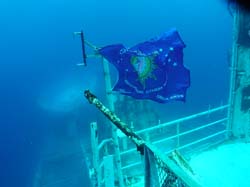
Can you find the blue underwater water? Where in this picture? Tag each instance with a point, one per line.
(41, 85)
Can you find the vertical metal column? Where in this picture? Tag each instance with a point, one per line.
(247, 130)
(178, 134)
(233, 68)
(94, 145)
(109, 175)
(110, 98)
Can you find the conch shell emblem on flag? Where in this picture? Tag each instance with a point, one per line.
(144, 67)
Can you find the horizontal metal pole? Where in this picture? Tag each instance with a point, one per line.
(181, 134)
(128, 151)
(94, 56)
(131, 165)
(203, 139)
(91, 45)
(181, 147)
(204, 126)
(167, 124)
(103, 143)
(207, 145)
(183, 119)
(190, 131)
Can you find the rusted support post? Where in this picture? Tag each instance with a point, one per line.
(110, 98)
(94, 145)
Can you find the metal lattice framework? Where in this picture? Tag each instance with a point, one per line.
(166, 177)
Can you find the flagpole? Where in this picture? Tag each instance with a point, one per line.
(110, 98)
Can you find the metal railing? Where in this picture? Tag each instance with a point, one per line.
(182, 134)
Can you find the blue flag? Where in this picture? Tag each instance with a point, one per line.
(152, 69)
